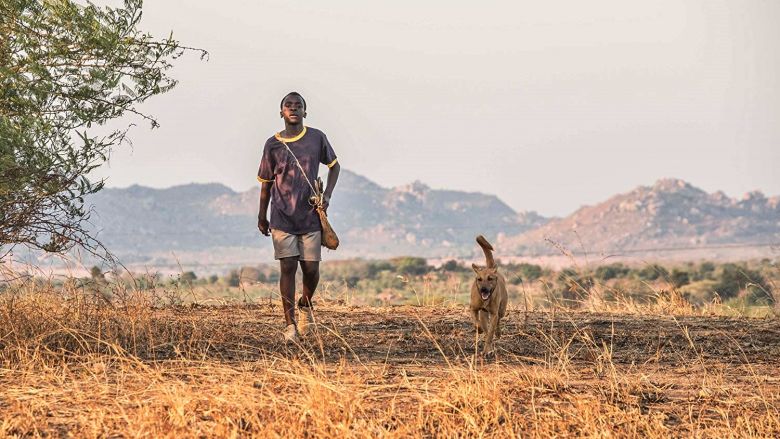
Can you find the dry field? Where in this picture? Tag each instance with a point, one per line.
(72, 365)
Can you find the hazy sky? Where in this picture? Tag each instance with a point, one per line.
(549, 105)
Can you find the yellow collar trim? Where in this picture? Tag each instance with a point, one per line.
(291, 139)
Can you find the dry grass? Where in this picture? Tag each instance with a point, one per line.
(73, 364)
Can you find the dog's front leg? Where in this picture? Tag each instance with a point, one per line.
(491, 332)
(475, 317)
(483, 320)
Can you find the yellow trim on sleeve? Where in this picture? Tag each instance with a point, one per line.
(262, 180)
(330, 165)
(290, 139)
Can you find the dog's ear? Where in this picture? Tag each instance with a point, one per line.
(475, 267)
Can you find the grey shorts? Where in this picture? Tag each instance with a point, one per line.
(306, 247)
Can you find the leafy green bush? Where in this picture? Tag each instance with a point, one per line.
(453, 266)
(233, 279)
(376, 267)
(574, 286)
(706, 271)
(734, 279)
(699, 292)
(410, 265)
(652, 272)
(530, 272)
(611, 271)
(679, 277)
(188, 277)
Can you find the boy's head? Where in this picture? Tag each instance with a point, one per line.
(293, 108)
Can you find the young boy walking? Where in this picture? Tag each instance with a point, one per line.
(288, 170)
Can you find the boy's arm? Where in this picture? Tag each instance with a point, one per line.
(262, 216)
(265, 175)
(333, 177)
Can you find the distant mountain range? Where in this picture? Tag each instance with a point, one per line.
(671, 214)
(210, 223)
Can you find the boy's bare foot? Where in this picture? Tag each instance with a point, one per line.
(305, 319)
(291, 334)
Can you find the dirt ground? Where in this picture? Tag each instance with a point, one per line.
(430, 335)
(409, 371)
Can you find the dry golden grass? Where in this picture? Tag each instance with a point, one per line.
(73, 364)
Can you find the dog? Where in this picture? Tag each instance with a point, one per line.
(488, 297)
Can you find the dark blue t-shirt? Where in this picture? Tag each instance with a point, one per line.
(290, 208)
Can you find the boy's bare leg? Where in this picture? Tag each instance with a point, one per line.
(311, 277)
(288, 268)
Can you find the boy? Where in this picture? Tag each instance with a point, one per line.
(295, 225)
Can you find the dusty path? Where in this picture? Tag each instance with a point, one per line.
(428, 334)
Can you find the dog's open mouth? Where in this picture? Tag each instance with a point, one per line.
(485, 294)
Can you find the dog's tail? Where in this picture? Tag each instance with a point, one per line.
(488, 250)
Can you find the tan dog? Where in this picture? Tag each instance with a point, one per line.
(488, 297)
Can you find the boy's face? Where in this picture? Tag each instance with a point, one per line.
(292, 110)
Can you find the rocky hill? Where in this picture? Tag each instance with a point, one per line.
(202, 220)
(669, 214)
(212, 223)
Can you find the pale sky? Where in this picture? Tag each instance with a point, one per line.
(549, 105)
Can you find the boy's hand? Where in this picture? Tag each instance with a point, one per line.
(325, 202)
(263, 225)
